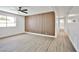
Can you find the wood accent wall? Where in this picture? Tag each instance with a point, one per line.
(41, 23)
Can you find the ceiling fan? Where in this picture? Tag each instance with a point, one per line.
(23, 10)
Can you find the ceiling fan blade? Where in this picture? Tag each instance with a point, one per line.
(24, 10)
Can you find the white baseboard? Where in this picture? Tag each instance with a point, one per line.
(28, 33)
(11, 35)
(41, 34)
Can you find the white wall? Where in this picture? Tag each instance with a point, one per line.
(12, 30)
(73, 31)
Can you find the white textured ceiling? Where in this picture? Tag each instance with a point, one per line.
(31, 9)
(60, 10)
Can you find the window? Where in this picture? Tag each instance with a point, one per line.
(61, 23)
(11, 22)
(2, 21)
(7, 21)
